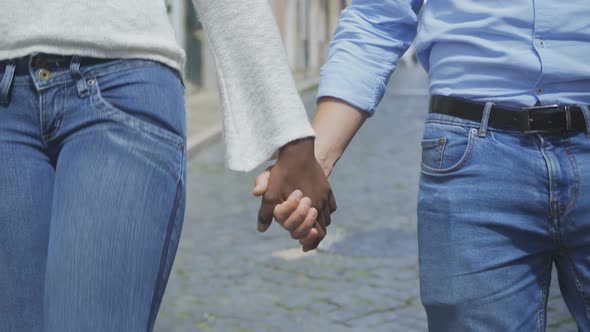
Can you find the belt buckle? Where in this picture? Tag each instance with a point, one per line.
(530, 123)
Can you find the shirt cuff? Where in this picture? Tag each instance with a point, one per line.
(360, 91)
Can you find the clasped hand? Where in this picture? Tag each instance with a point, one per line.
(296, 192)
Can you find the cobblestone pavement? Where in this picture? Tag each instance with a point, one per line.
(227, 277)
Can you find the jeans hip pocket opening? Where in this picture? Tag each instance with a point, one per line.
(447, 153)
(146, 127)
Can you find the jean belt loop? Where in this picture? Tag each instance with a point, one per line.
(78, 78)
(483, 128)
(586, 114)
(6, 84)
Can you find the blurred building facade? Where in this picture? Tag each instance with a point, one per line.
(306, 27)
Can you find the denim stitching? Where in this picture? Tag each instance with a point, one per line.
(435, 143)
(468, 123)
(119, 67)
(153, 307)
(485, 119)
(586, 113)
(470, 144)
(578, 285)
(78, 78)
(472, 124)
(6, 83)
(576, 185)
(441, 153)
(544, 297)
(181, 186)
(64, 77)
(430, 143)
(97, 100)
(49, 136)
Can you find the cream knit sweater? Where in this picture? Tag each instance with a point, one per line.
(261, 108)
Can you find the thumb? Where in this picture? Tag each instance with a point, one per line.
(261, 183)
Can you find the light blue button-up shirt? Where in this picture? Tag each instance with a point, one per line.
(512, 52)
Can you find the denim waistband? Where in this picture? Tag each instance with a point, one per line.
(446, 119)
(47, 70)
(6, 82)
(48, 61)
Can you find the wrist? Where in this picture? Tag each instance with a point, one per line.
(327, 161)
(298, 150)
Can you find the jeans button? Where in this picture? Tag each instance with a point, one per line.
(44, 74)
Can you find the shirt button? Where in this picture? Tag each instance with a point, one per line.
(539, 90)
(540, 43)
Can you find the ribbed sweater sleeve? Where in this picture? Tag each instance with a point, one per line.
(261, 108)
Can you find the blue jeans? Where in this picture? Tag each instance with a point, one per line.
(496, 210)
(92, 192)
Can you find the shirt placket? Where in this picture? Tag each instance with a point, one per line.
(541, 25)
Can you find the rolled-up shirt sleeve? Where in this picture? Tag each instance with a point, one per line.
(370, 37)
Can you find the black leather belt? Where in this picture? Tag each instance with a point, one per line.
(551, 118)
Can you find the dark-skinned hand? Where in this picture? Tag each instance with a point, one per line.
(296, 174)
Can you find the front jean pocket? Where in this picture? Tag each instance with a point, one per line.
(446, 148)
(148, 99)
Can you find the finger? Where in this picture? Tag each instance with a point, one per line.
(307, 225)
(309, 239)
(327, 216)
(298, 217)
(319, 238)
(321, 220)
(261, 183)
(321, 231)
(265, 215)
(282, 211)
(332, 202)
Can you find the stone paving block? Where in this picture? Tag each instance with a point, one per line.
(375, 319)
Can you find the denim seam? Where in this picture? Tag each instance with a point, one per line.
(576, 185)
(78, 78)
(453, 123)
(466, 155)
(442, 153)
(41, 127)
(430, 143)
(579, 288)
(141, 125)
(485, 119)
(586, 113)
(544, 297)
(58, 122)
(6, 83)
(435, 143)
(117, 68)
(64, 77)
(163, 257)
(473, 124)
(19, 83)
(554, 224)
